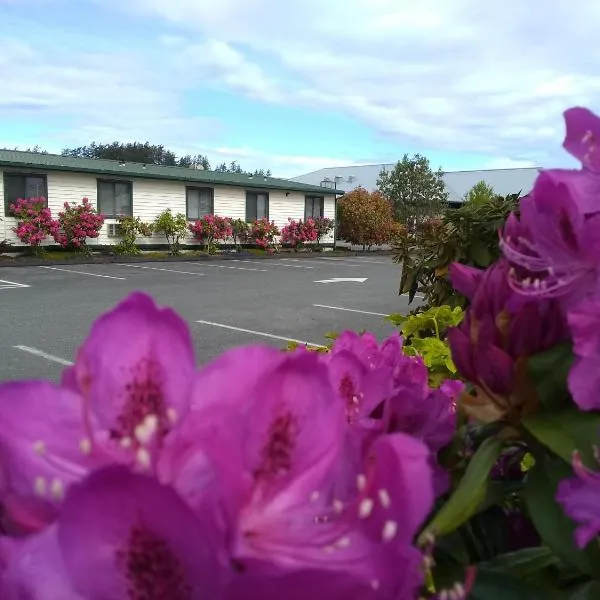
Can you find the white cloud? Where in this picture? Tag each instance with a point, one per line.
(463, 75)
(280, 164)
(101, 97)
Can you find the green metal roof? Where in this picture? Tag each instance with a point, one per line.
(114, 168)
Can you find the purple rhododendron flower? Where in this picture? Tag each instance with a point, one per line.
(554, 248)
(500, 330)
(119, 536)
(580, 498)
(130, 382)
(385, 392)
(285, 474)
(293, 498)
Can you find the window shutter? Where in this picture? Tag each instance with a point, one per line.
(321, 207)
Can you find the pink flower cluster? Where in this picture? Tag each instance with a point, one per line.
(263, 233)
(35, 221)
(77, 223)
(296, 233)
(263, 474)
(212, 228)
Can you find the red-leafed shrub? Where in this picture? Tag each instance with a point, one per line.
(297, 233)
(35, 222)
(366, 218)
(210, 229)
(263, 233)
(77, 222)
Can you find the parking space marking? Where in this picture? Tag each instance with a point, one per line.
(11, 285)
(42, 354)
(275, 262)
(228, 267)
(356, 310)
(260, 333)
(321, 262)
(161, 269)
(83, 273)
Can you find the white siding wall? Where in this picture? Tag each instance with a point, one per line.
(151, 197)
(62, 187)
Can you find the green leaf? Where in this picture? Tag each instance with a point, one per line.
(587, 591)
(522, 563)
(566, 431)
(549, 518)
(480, 253)
(470, 492)
(549, 371)
(491, 585)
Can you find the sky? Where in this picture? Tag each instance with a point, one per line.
(298, 85)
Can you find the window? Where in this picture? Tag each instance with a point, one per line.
(115, 198)
(199, 202)
(313, 207)
(257, 205)
(22, 185)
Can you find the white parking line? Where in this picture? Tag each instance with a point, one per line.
(320, 262)
(228, 267)
(274, 262)
(260, 333)
(42, 354)
(11, 285)
(161, 269)
(364, 312)
(83, 273)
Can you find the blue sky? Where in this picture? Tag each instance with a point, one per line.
(300, 85)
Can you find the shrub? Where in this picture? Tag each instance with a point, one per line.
(129, 229)
(173, 227)
(240, 232)
(210, 229)
(425, 335)
(297, 233)
(366, 218)
(77, 222)
(468, 234)
(323, 225)
(263, 233)
(35, 222)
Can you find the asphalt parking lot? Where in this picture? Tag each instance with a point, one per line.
(45, 312)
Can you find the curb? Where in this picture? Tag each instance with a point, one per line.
(102, 260)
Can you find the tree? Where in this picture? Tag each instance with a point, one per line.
(415, 191)
(194, 162)
(365, 218)
(135, 152)
(172, 227)
(480, 193)
(234, 167)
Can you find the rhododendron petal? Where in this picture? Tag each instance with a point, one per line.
(124, 535)
(36, 571)
(138, 361)
(40, 456)
(580, 498)
(583, 136)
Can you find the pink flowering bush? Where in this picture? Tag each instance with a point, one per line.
(210, 229)
(333, 475)
(263, 233)
(324, 226)
(298, 233)
(77, 222)
(35, 222)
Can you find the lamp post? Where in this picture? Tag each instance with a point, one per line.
(327, 183)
